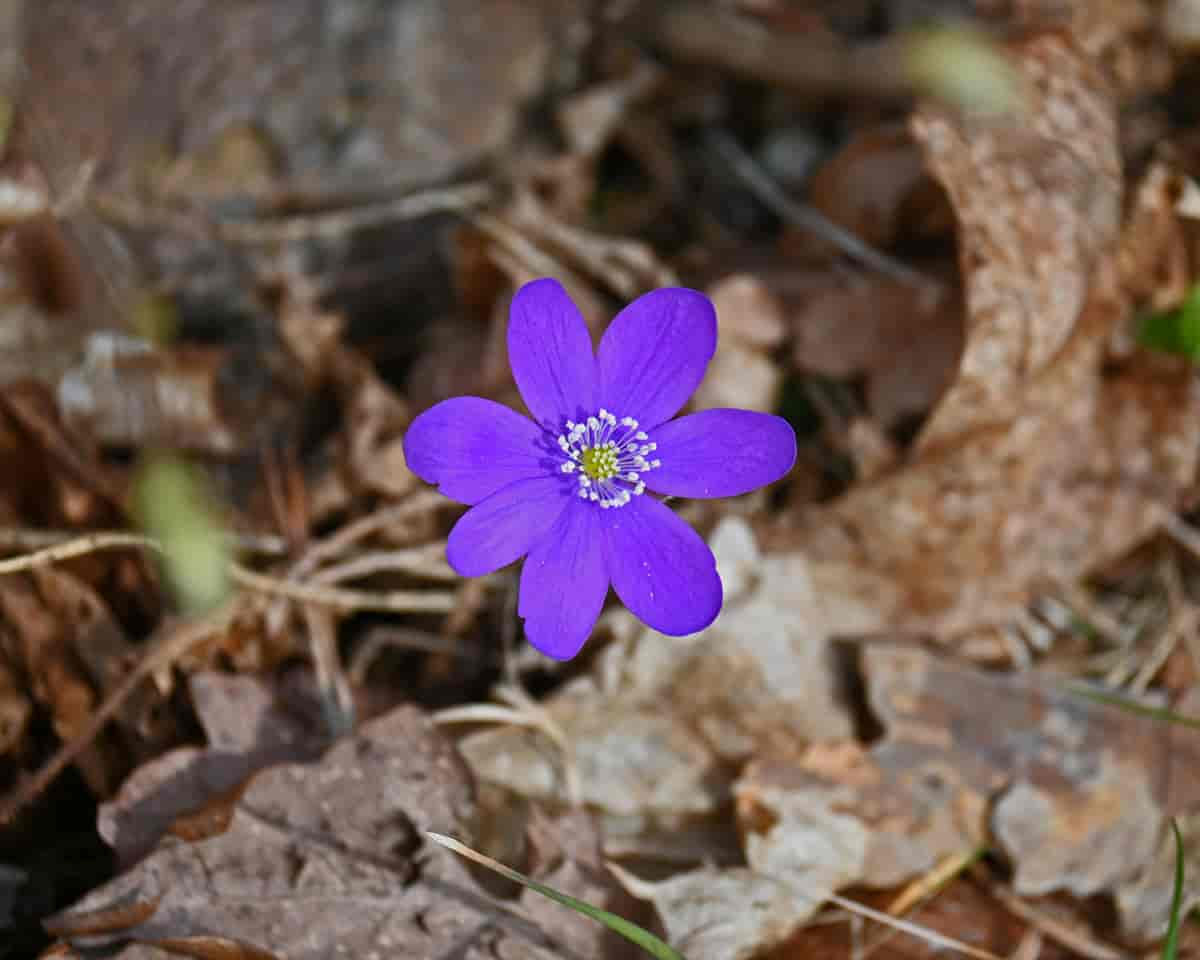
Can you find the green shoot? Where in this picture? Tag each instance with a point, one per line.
(630, 931)
(1171, 944)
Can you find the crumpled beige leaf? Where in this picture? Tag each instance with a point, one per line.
(731, 914)
(654, 732)
(1075, 792)
(654, 735)
(324, 860)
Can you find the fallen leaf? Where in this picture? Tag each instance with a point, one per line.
(249, 724)
(1037, 199)
(904, 341)
(724, 914)
(1040, 462)
(655, 732)
(866, 185)
(743, 373)
(326, 859)
(1075, 792)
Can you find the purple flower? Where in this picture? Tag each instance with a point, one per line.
(569, 489)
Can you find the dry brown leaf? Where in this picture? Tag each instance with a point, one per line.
(57, 679)
(249, 725)
(1121, 35)
(742, 373)
(1038, 200)
(655, 731)
(864, 187)
(15, 707)
(904, 340)
(328, 859)
(1040, 463)
(1075, 792)
(101, 645)
(375, 417)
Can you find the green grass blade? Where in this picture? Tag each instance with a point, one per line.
(1171, 944)
(1133, 706)
(630, 931)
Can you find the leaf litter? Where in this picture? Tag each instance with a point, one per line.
(891, 686)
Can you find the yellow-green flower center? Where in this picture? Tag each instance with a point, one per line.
(608, 454)
(600, 462)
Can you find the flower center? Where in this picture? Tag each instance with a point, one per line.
(609, 455)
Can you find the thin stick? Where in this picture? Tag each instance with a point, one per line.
(22, 538)
(89, 543)
(803, 217)
(337, 223)
(423, 561)
(912, 929)
(345, 537)
(346, 601)
(1061, 933)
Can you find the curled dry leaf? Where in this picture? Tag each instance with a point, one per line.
(325, 860)
(1037, 199)
(1039, 463)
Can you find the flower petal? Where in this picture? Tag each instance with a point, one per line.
(550, 352)
(654, 353)
(660, 567)
(506, 525)
(564, 583)
(721, 453)
(472, 447)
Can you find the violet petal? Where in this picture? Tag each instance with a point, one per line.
(654, 354)
(471, 447)
(550, 352)
(660, 568)
(564, 583)
(721, 453)
(506, 525)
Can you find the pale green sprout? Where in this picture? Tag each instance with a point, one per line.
(964, 68)
(173, 506)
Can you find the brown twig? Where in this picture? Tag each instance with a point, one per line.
(89, 543)
(346, 601)
(458, 199)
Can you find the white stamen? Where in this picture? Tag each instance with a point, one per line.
(607, 454)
